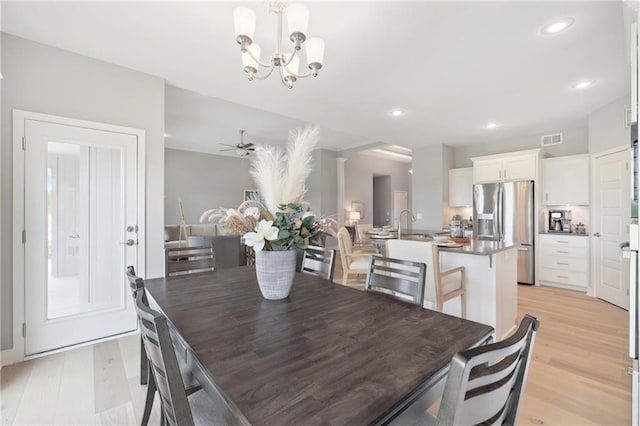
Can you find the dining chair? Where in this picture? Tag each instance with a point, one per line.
(485, 384)
(440, 286)
(353, 261)
(136, 285)
(362, 238)
(189, 259)
(178, 407)
(402, 279)
(319, 261)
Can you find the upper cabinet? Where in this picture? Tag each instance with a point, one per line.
(633, 62)
(461, 187)
(565, 180)
(506, 167)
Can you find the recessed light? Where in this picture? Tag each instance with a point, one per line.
(557, 26)
(397, 112)
(166, 135)
(492, 125)
(583, 84)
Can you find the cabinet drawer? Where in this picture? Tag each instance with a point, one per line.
(564, 251)
(573, 278)
(577, 264)
(548, 240)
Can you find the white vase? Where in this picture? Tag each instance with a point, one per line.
(275, 271)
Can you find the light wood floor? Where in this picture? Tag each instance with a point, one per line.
(577, 374)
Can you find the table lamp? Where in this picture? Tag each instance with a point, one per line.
(354, 217)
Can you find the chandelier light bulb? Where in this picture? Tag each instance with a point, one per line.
(244, 21)
(247, 60)
(298, 21)
(293, 68)
(315, 52)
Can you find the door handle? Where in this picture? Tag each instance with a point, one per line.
(129, 242)
(597, 234)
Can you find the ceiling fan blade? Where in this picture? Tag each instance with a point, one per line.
(228, 149)
(226, 144)
(248, 145)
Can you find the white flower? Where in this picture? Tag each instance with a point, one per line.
(264, 231)
(253, 212)
(307, 214)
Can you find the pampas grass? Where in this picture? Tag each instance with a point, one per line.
(280, 175)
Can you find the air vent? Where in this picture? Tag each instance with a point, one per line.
(554, 139)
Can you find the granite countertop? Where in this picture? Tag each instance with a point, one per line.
(475, 247)
(480, 247)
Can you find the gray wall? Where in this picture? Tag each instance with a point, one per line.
(358, 181)
(323, 182)
(575, 141)
(606, 126)
(430, 184)
(203, 182)
(206, 181)
(52, 81)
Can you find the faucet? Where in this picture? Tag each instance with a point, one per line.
(400, 221)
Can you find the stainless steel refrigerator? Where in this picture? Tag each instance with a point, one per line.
(505, 212)
(633, 247)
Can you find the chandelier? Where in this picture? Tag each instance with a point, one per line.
(244, 20)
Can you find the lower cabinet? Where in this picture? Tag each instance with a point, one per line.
(564, 261)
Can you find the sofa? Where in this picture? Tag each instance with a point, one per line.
(172, 233)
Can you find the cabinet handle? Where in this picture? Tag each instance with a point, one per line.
(562, 276)
(500, 173)
(563, 252)
(562, 263)
(505, 174)
(563, 242)
(546, 196)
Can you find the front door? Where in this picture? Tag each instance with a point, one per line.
(611, 206)
(80, 234)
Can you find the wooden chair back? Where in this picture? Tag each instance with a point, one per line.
(163, 363)
(187, 260)
(485, 384)
(427, 253)
(361, 233)
(319, 261)
(402, 277)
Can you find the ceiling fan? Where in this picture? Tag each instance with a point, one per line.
(242, 149)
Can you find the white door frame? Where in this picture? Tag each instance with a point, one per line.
(17, 353)
(591, 291)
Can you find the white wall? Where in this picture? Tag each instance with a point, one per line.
(322, 183)
(358, 181)
(52, 81)
(575, 141)
(606, 126)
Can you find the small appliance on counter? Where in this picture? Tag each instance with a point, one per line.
(560, 221)
(580, 229)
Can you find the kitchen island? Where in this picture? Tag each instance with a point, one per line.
(491, 272)
(491, 275)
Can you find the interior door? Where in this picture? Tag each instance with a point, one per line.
(611, 206)
(81, 232)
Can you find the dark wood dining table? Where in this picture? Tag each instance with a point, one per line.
(328, 354)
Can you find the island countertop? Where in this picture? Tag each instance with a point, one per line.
(480, 247)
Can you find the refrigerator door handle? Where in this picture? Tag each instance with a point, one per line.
(500, 225)
(633, 305)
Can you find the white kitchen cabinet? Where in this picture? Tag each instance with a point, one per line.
(631, 113)
(506, 167)
(565, 180)
(564, 261)
(461, 187)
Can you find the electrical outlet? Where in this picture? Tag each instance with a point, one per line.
(418, 216)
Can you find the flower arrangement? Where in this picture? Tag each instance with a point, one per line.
(282, 221)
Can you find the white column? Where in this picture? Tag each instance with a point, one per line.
(340, 209)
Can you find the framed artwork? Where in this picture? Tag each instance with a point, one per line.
(251, 194)
(357, 206)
